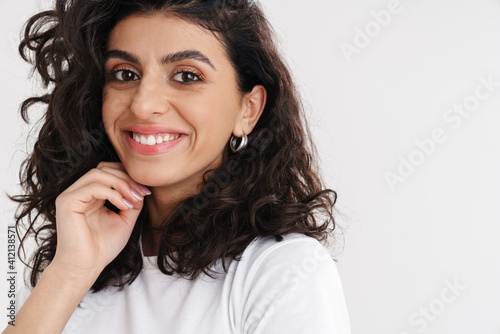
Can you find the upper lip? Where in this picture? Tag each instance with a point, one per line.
(151, 129)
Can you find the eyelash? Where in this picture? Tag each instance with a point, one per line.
(198, 76)
(113, 74)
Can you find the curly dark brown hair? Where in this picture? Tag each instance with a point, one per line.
(271, 188)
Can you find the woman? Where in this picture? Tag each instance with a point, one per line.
(172, 177)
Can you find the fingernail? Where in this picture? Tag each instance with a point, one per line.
(136, 194)
(130, 205)
(144, 190)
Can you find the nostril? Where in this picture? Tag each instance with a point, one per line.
(145, 108)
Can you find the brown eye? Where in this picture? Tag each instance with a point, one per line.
(125, 75)
(186, 77)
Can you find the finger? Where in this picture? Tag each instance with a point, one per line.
(110, 180)
(118, 165)
(131, 215)
(124, 175)
(83, 198)
(84, 179)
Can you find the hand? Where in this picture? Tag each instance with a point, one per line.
(89, 235)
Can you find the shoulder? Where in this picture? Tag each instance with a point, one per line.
(294, 250)
(292, 244)
(293, 281)
(297, 258)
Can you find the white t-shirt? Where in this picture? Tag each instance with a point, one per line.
(285, 287)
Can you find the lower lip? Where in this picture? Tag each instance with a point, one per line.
(152, 149)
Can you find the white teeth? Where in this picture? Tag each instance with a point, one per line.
(170, 137)
(151, 140)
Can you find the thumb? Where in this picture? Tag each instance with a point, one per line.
(130, 216)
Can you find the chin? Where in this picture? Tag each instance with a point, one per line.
(150, 179)
(147, 175)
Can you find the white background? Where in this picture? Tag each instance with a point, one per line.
(403, 245)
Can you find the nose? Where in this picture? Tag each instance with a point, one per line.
(150, 99)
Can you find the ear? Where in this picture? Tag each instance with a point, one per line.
(253, 104)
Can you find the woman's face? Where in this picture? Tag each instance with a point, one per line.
(170, 101)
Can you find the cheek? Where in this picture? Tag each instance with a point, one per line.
(113, 107)
(107, 119)
(214, 123)
(215, 113)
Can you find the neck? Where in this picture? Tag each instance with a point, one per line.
(160, 204)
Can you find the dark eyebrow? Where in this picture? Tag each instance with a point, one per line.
(124, 55)
(173, 57)
(187, 54)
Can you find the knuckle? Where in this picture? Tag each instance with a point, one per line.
(59, 199)
(102, 164)
(94, 172)
(108, 164)
(124, 184)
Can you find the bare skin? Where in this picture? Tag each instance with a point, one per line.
(207, 111)
(89, 237)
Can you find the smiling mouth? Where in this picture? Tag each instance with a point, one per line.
(151, 140)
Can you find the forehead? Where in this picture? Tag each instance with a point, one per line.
(160, 33)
